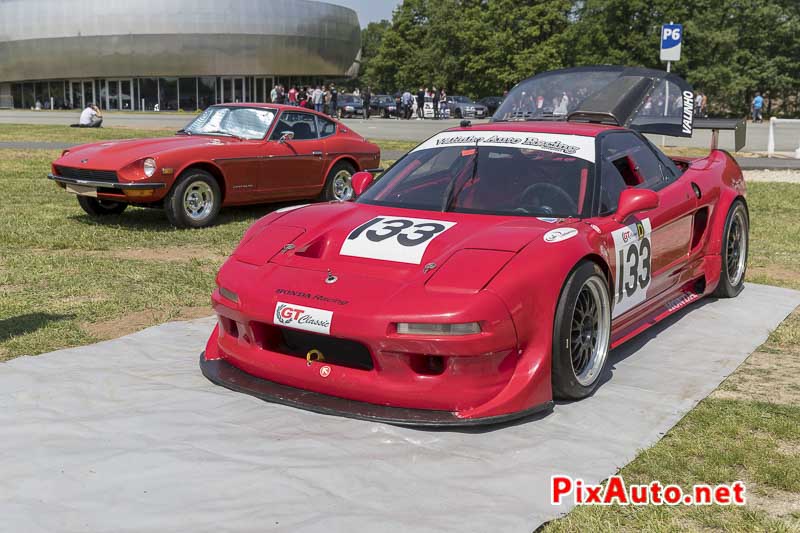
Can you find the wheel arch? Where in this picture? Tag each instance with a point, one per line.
(206, 166)
(344, 158)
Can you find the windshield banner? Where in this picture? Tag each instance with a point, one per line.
(578, 146)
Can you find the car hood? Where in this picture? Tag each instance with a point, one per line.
(112, 155)
(322, 240)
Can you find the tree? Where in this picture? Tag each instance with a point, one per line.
(731, 48)
(371, 38)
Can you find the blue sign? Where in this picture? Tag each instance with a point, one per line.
(671, 38)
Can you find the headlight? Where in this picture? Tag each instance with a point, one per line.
(348, 108)
(391, 108)
(149, 167)
(411, 328)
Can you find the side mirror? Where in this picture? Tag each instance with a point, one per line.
(634, 201)
(286, 136)
(361, 182)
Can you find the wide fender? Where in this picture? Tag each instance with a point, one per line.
(732, 186)
(530, 286)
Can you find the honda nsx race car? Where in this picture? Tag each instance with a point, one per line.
(492, 268)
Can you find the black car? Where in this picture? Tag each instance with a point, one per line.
(383, 105)
(349, 105)
(491, 102)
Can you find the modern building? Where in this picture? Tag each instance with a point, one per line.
(168, 54)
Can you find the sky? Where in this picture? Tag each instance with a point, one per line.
(369, 10)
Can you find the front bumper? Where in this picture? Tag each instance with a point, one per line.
(222, 373)
(106, 184)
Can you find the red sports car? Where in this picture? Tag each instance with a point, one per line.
(490, 270)
(231, 154)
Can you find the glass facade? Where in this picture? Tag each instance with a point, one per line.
(168, 94)
(151, 94)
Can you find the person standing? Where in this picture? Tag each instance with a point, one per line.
(273, 94)
(421, 103)
(318, 99)
(293, 96)
(366, 97)
(443, 104)
(407, 99)
(334, 100)
(435, 104)
(398, 106)
(757, 106)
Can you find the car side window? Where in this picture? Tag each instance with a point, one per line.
(635, 161)
(302, 125)
(326, 127)
(611, 186)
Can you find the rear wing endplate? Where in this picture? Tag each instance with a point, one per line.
(738, 125)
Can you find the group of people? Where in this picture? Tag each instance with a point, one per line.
(322, 98)
(409, 105)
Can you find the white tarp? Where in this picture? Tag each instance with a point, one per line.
(127, 435)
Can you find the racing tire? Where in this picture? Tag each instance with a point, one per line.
(100, 208)
(194, 200)
(581, 333)
(339, 183)
(734, 248)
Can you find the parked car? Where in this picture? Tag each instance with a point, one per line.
(464, 107)
(491, 270)
(349, 105)
(491, 103)
(231, 154)
(383, 105)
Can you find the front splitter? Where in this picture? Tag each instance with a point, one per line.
(223, 373)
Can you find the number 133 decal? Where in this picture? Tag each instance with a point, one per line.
(634, 271)
(394, 238)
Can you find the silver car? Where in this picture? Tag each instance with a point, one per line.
(464, 107)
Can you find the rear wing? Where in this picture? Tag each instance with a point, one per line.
(642, 99)
(738, 125)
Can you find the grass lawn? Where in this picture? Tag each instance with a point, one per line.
(65, 134)
(67, 280)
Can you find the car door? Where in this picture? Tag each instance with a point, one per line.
(294, 167)
(650, 249)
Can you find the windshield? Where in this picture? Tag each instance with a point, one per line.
(350, 99)
(242, 122)
(491, 172)
(552, 94)
(385, 100)
(462, 100)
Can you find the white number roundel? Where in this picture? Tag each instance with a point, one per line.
(391, 238)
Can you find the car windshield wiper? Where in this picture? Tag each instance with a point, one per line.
(450, 195)
(183, 131)
(218, 132)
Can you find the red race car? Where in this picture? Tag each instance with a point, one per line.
(492, 268)
(231, 154)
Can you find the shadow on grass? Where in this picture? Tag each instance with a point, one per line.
(28, 323)
(153, 219)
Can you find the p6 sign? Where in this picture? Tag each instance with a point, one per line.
(671, 38)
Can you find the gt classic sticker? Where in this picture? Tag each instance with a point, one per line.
(303, 317)
(390, 238)
(634, 272)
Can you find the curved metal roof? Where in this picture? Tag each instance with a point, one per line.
(56, 39)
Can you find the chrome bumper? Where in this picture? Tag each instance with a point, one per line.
(106, 184)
